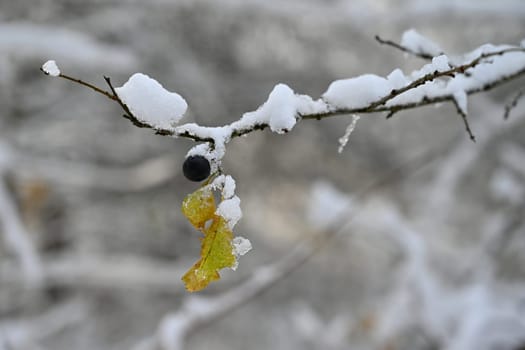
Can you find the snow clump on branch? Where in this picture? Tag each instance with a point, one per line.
(51, 68)
(419, 44)
(150, 103)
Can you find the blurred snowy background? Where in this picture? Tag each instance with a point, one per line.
(434, 258)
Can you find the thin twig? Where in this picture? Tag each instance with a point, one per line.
(404, 49)
(88, 85)
(512, 104)
(464, 117)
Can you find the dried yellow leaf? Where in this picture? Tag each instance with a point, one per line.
(216, 254)
(199, 207)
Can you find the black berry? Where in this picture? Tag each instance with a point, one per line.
(196, 168)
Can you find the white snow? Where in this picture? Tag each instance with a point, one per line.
(279, 112)
(241, 246)
(220, 135)
(202, 149)
(417, 43)
(357, 92)
(226, 183)
(51, 68)
(150, 103)
(230, 210)
(441, 63)
(326, 205)
(349, 129)
(306, 105)
(397, 79)
(228, 190)
(280, 109)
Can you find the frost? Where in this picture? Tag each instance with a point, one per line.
(51, 68)
(228, 190)
(226, 183)
(150, 103)
(220, 136)
(241, 246)
(417, 43)
(326, 205)
(344, 139)
(230, 210)
(357, 92)
(441, 63)
(460, 99)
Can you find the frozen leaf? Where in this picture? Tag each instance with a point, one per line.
(199, 207)
(216, 254)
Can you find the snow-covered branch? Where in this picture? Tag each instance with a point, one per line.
(147, 104)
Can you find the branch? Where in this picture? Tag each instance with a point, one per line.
(320, 109)
(512, 104)
(424, 56)
(83, 83)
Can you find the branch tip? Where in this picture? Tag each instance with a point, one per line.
(512, 104)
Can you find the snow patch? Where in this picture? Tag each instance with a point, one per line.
(228, 190)
(357, 92)
(150, 103)
(226, 183)
(280, 109)
(51, 68)
(419, 44)
(441, 63)
(241, 246)
(230, 210)
(397, 79)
